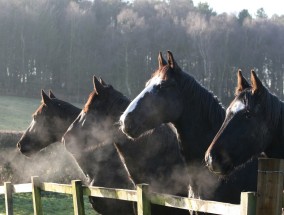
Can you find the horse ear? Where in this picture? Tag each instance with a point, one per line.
(171, 61)
(51, 95)
(161, 60)
(255, 82)
(98, 87)
(102, 81)
(242, 83)
(45, 99)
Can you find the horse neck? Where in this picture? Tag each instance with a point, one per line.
(200, 120)
(155, 158)
(119, 168)
(102, 170)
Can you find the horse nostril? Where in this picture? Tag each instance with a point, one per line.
(63, 141)
(19, 145)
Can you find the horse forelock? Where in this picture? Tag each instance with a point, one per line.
(162, 73)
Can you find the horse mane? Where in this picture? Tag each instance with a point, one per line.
(210, 107)
(39, 110)
(89, 101)
(273, 107)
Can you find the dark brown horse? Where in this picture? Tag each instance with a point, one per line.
(153, 158)
(172, 95)
(50, 122)
(253, 124)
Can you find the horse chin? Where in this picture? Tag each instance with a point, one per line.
(28, 154)
(134, 132)
(224, 170)
(131, 134)
(30, 151)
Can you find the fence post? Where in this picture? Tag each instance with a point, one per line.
(143, 202)
(8, 198)
(78, 200)
(36, 196)
(270, 186)
(248, 203)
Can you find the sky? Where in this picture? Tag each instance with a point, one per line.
(270, 7)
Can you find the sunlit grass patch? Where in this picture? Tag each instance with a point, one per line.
(53, 204)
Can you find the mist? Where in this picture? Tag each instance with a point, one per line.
(52, 164)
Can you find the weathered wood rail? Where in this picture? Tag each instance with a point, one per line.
(267, 200)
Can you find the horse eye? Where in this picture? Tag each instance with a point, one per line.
(166, 84)
(162, 84)
(247, 115)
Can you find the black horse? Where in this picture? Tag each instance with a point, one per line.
(50, 122)
(253, 124)
(172, 95)
(153, 158)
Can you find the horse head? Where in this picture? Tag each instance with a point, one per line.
(95, 124)
(49, 123)
(247, 129)
(159, 102)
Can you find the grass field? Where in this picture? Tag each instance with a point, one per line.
(53, 204)
(15, 112)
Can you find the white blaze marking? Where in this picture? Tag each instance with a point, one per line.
(82, 118)
(31, 128)
(236, 107)
(153, 82)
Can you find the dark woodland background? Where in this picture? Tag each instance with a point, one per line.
(60, 45)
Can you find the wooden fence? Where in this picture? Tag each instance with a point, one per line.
(267, 200)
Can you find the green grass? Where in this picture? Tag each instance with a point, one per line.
(16, 112)
(53, 204)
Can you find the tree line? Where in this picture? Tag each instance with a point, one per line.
(60, 45)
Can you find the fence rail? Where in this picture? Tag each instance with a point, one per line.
(121, 194)
(250, 204)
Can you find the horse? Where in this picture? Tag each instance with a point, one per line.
(50, 121)
(253, 124)
(153, 158)
(173, 96)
